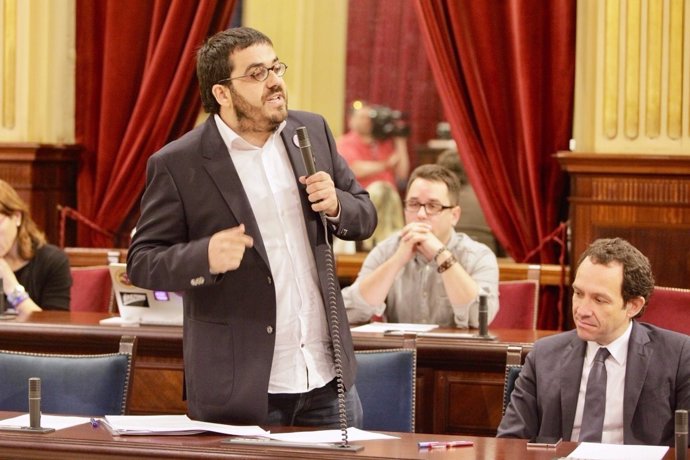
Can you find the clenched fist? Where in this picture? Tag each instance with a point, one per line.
(226, 249)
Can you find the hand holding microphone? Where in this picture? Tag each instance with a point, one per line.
(320, 186)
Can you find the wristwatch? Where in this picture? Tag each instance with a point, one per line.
(17, 296)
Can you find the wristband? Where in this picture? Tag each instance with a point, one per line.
(17, 296)
(446, 264)
(439, 252)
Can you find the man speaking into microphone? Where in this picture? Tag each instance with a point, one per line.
(230, 217)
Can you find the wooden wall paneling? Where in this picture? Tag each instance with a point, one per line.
(44, 176)
(642, 198)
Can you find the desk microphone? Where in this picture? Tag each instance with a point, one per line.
(34, 412)
(483, 316)
(681, 434)
(34, 402)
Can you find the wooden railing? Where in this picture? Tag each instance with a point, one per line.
(348, 265)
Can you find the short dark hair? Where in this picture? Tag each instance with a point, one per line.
(213, 62)
(638, 280)
(436, 173)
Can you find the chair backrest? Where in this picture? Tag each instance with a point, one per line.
(513, 368)
(386, 383)
(518, 305)
(70, 384)
(669, 308)
(92, 289)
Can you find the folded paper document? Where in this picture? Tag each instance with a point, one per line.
(388, 327)
(123, 425)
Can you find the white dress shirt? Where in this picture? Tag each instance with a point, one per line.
(303, 354)
(615, 388)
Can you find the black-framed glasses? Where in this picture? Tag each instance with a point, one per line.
(430, 208)
(260, 72)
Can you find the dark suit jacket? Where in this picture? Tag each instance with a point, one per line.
(657, 383)
(192, 192)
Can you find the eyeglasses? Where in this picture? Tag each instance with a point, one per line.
(431, 208)
(260, 73)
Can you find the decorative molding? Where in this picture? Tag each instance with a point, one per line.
(9, 63)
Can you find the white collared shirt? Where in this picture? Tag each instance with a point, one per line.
(615, 388)
(303, 354)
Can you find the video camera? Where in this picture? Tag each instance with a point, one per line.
(387, 123)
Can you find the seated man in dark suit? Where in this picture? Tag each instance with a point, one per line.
(641, 373)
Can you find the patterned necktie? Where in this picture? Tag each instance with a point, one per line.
(595, 400)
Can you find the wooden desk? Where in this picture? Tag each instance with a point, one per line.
(459, 381)
(84, 441)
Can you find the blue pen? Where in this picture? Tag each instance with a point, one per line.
(443, 444)
(95, 423)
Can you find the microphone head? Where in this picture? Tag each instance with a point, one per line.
(303, 137)
(34, 387)
(681, 421)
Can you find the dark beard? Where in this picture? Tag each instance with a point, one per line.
(251, 119)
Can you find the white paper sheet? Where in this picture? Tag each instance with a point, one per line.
(47, 421)
(389, 327)
(175, 425)
(328, 436)
(597, 451)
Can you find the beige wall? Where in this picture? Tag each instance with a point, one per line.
(310, 37)
(632, 91)
(37, 68)
(38, 62)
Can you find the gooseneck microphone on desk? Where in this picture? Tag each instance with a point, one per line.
(34, 411)
(483, 318)
(34, 402)
(681, 434)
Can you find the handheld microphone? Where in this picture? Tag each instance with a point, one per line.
(308, 158)
(34, 402)
(483, 316)
(305, 149)
(681, 434)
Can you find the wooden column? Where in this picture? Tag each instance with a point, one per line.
(642, 198)
(44, 176)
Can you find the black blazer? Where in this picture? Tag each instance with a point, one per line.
(193, 191)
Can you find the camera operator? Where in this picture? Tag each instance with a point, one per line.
(375, 146)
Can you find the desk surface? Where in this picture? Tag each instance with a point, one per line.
(84, 441)
(459, 380)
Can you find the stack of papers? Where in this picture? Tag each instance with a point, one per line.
(597, 451)
(390, 327)
(173, 425)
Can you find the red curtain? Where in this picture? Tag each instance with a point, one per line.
(136, 91)
(386, 65)
(506, 71)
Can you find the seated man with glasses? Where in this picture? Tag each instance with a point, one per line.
(427, 272)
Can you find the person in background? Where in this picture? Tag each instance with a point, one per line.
(473, 222)
(229, 217)
(427, 272)
(373, 159)
(35, 275)
(642, 371)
